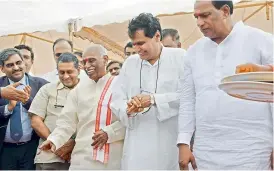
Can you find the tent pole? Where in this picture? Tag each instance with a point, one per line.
(267, 11)
(23, 39)
(106, 42)
(45, 40)
(255, 12)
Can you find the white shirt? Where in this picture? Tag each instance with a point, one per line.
(230, 133)
(54, 77)
(43, 105)
(150, 141)
(79, 114)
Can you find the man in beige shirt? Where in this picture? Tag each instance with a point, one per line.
(99, 140)
(47, 106)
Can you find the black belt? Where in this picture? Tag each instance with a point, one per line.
(15, 144)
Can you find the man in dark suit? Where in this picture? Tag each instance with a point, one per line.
(18, 141)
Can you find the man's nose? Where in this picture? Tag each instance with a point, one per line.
(66, 76)
(200, 22)
(16, 67)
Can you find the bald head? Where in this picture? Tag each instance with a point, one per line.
(95, 49)
(95, 60)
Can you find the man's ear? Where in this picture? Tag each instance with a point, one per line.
(226, 11)
(158, 36)
(105, 57)
(179, 45)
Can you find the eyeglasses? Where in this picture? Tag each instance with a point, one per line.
(56, 101)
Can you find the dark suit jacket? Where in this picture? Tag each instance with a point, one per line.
(35, 83)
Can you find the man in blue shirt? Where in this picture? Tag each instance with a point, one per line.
(18, 142)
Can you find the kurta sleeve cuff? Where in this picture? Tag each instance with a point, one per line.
(115, 131)
(166, 106)
(110, 133)
(160, 99)
(120, 112)
(54, 141)
(184, 138)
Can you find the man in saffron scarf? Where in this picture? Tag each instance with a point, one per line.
(99, 139)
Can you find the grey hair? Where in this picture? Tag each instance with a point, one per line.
(6, 53)
(96, 48)
(68, 57)
(171, 32)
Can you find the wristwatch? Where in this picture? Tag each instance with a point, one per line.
(152, 100)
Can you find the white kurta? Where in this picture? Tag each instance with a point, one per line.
(79, 114)
(230, 133)
(150, 141)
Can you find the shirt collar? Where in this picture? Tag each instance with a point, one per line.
(60, 85)
(161, 57)
(22, 81)
(105, 77)
(236, 28)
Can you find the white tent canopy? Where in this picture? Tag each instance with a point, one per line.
(43, 15)
(39, 23)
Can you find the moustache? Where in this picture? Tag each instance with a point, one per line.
(14, 71)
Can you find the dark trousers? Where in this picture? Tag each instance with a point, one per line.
(52, 166)
(18, 157)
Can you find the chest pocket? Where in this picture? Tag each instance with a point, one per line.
(56, 104)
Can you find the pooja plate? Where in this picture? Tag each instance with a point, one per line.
(249, 90)
(250, 76)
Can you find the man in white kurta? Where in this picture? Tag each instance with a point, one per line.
(80, 114)
(150, 142)
(231, 133)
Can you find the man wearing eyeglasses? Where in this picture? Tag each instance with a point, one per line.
(46, 108)
(18, 141)
(61, 46)
(99, 140)
(145, 98)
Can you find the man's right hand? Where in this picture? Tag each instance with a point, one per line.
(186, 157)
(11, 93)
(47, 146)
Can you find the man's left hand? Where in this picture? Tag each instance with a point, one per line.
(100, 138)
(145, 100)
(67, 157)
(65, 150)
(27, 90)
